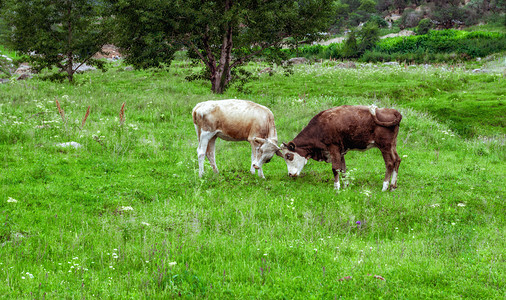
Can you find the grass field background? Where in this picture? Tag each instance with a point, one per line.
(126, 215)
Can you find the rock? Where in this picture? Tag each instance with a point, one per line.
(297, 60)
(347, 65)
(84, 68)
(333, 41)
(70, 144)
(400, 33)
(24, 76)
(24, 68)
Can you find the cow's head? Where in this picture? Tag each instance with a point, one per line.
(265, 150)
(294, 161)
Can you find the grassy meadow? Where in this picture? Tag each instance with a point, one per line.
(126, 215)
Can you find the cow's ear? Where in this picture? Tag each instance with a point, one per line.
(291, 146)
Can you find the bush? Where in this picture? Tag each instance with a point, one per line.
(350, 48)
(369, 36)
(446, 41)
(423, 26)
(435, 46)
(379, 21)
(410, 18)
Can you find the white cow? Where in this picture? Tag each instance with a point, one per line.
(235, 120)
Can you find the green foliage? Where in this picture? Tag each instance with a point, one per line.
(472, 44)
(410, 18)
(222, 35)
(423, 27)
(369, 36)
(351, 48)
(60, 34)
(141, 30)
(436, 46)
(379, 21)
(447, 14)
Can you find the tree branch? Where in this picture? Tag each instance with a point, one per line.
(243, 59)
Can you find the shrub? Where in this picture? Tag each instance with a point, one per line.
(369, 36)
(410, 18)
(423, 26)
(350, 48)
(379, 21)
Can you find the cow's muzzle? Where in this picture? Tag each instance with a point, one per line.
(256, 167)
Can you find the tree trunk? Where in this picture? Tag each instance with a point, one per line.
(222, 75)
(70, 55)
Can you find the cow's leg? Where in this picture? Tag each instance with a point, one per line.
(253, 155)
(337, 165)
(337, 185)
(389, 157)
(261, 173)
(253, 159)
(210, 153)
(343, 169)
(396, 169)
(205, 137)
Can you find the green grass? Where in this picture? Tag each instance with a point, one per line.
(441, 234)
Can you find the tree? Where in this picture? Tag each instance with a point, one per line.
(57, 33)
(369, 36)
(447, 13)
(223, 34)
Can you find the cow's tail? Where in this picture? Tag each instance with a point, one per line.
(395, 122)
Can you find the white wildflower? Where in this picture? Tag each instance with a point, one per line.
(461, 204)
(435, 205)
(172, 263)
(145, 223)
(367, 193)
(12, 200)
(125, 208)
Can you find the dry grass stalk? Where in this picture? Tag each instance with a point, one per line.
(122, 114)
(60, 110)
(85, 117)
(62, 113)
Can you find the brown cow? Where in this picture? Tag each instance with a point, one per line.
(335, 131)
(235, 120)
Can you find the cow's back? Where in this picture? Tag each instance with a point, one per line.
(233, 119)
(352, 127)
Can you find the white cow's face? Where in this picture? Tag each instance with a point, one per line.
(265, 150)
(294, 162)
